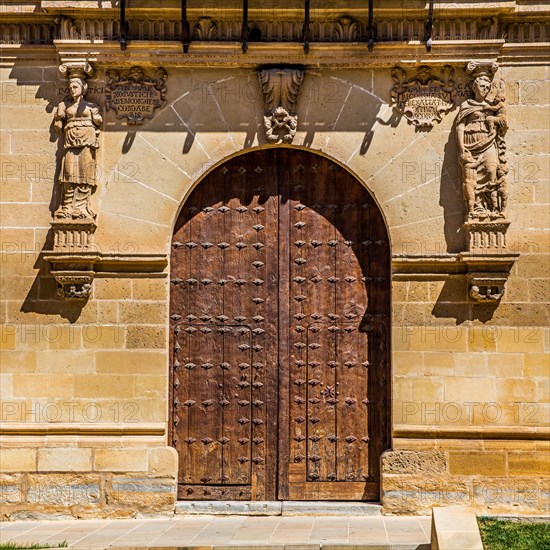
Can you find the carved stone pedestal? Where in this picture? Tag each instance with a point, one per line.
(73, 235)
(73, 265)
(487, 252)
(486, 237)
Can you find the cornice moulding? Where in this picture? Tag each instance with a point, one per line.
(463, 263)
(212, 54)
(541, 433)
(111, 264)
(80, 429)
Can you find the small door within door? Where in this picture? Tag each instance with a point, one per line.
(279, 312)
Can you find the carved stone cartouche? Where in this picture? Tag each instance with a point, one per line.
(133, 95)
(77, 121)
(425, 97)
(281, 87)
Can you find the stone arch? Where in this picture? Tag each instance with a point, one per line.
(150, 172)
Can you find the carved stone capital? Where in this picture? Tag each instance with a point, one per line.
(486, 287)
(76, 69)
(280, 87)
(73, 235)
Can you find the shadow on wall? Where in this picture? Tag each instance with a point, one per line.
(453, 302)
(451, 198)
(181, 118)
(42, 297)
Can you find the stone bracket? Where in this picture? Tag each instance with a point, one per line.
(75, 272)
(486, 273)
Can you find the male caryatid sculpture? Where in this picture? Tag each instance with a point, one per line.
(480, 128)
(77, 121)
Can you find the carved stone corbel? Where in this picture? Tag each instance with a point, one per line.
(74, 274)
(280, 87)
(487, 287)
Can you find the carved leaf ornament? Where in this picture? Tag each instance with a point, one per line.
(280, 87)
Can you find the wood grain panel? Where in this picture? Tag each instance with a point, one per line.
(280, 332)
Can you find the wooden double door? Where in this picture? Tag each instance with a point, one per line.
(279, 333)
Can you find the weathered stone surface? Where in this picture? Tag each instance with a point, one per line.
(416, 495)
(11, 490)
(143, 492)
(63, 489)
(414, 462)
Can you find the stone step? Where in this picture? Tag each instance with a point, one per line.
(278, 508)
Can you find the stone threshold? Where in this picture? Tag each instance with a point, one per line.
(291, 546)
(277, 508)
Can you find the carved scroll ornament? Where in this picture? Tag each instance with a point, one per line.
(425, 97)
(281, 87)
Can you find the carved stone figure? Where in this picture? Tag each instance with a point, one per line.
(77, 121)
(281, 87)
(480, 129)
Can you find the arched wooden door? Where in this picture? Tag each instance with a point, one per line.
(280, 302)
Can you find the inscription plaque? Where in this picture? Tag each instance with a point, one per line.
(425, 97)
(134, 95)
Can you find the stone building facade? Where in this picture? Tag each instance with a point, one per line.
(353, 216)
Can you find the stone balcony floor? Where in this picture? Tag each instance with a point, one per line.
(215, 532)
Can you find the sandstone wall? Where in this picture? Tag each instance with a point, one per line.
(85, 389)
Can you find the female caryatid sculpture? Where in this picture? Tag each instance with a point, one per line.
(480, 128)
(78, 121)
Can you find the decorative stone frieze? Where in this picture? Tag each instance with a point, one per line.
(77, 120)
(134, 95)
(423, 98)
(347, 28)
(280, 87)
